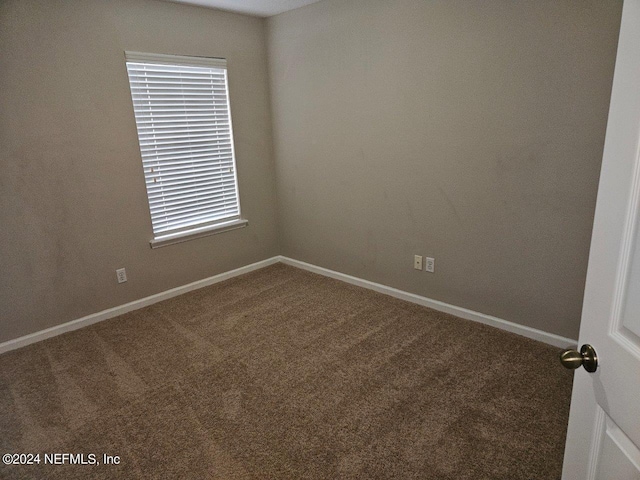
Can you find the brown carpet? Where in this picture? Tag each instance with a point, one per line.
(281, 373)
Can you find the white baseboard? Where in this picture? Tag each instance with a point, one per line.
(528, 332)
(128, 307)
(533, 333)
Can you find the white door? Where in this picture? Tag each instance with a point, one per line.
(603, 440)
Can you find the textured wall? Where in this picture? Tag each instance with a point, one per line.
(73, 205)
(465, 130)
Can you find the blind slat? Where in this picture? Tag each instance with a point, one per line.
(153, 114)
(135, 74)
(206, 162)
(180, 110)
(155, 192)
(155, 87)
(169, 180)
(196, 210)
(206, 213)
(164, 171)
(181, 149)
(165, 127)
(194, 206)
(180, 107)
(159, 138)
(147, 145)
(195, 218)
(212, 155)
(195, 179)
(182, 121)
(185, 131)
(189, 198)
(142, 78)
(169, 200)
(175, 232)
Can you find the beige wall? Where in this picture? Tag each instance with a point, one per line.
(471, 131)
(468, 131)
(72, 197)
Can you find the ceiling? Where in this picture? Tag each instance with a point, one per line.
(260, 8)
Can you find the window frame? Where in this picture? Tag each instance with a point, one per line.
(208, 227)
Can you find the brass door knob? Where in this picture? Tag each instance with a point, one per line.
(586, 357)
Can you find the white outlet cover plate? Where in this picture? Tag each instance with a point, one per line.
(121, 274)
(430, 264)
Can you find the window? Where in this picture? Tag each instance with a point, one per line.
(181, 106)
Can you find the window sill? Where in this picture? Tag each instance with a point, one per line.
(198, 233)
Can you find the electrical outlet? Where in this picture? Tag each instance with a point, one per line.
(121, 273)
(417, 262)
(430, 264)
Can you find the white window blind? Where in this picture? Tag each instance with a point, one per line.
(181, 107)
